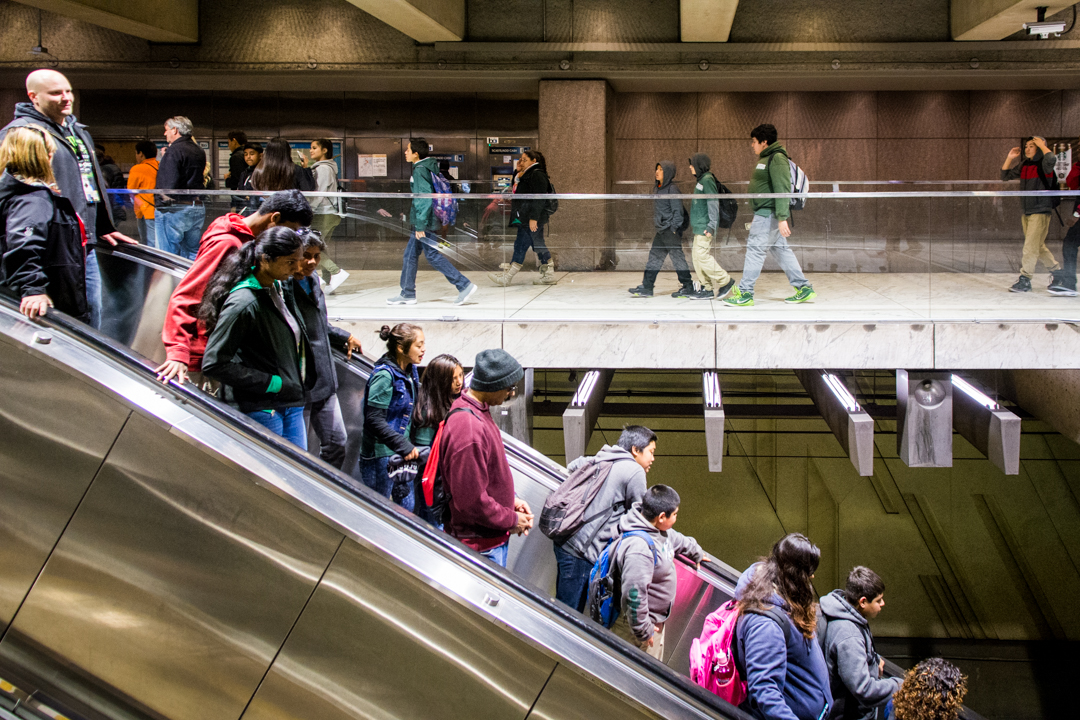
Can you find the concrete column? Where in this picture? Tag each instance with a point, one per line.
(515, 417)
(851, 425)
(924, 418)
(577, 139)
(584, 409)
(714, 419)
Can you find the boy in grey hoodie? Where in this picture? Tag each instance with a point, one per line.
(631, 458)
(668, 218)
(647, 575)
(844, 633)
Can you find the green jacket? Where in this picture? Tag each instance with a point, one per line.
(422, 214)
(771, 175)
(704, 214)
(253, 351)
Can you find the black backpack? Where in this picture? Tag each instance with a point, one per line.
(307, 180)
(728, 208)
(551, 206)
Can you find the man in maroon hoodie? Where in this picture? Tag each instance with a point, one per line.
(483, 509)
(183, 335)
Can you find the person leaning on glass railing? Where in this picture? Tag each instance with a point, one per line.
(1035, 172)
(44, 245)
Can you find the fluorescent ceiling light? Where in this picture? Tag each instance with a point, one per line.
(974, 393)
(840, 391)
(585, 388)
(711, 386)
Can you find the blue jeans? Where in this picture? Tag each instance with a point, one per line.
(93, 289)
(572, 583)
(435, 258)
(179, 228)
(147, 234)
(374, 474)
(527, 239)
(287, 422)
(498, 555)
(765, 237)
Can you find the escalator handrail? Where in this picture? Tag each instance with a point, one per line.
(186, 394)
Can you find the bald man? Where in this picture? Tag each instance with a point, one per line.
(74, 165)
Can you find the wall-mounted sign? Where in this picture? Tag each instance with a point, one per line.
(507, 149)
(492, 141)
(371, 166)
(449, 157)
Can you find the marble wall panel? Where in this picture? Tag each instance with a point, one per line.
(732, 160)
(608, 345)
(831, 115)
(931, 159)
(308, 115)
(834, 159)
(1070, 114)
(463, 340)
(986, 156)
(636, 160)
(941, 114)
(656, 116)
(1015, 113)
(825, 345)
(1014, 345)
(378, 114)
(735, 114)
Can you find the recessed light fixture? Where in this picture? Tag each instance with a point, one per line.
(974, 393)
(841, 392)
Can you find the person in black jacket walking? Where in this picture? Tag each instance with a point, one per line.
(669, 216)
(257, 345)
(323, 412)
(179, 218)
(43, 245)
(76, 169)
(530, 216)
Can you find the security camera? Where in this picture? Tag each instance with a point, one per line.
(1046, 28)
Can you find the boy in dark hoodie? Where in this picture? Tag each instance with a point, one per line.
(848, 645)
(1036, 172)
(668, 217)
(704, 219)
(647, 573)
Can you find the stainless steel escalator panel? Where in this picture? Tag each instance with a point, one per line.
(422, 658)
(569, 695)
(177, 580)
(54, 434)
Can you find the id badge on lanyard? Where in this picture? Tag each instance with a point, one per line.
(86, 170)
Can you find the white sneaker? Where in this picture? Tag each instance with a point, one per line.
(400, 300)
(466, 294)
(335, 281)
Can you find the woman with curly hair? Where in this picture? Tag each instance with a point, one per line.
(932, 690)
(776, 650)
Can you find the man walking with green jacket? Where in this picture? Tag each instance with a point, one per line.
(425, 225)
(770, 227)
(704, 219)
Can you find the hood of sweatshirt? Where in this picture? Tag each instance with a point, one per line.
(29, 112)
(325, 163)
(668, 166)
(776, 147)
(835, 606)
(430, 163)
(701, 164)
(12, 185)
(634, 520)
(607, 453)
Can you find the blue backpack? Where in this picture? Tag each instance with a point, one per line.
(605, 588)
(446, 209)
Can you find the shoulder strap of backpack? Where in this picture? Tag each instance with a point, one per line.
(644, 536)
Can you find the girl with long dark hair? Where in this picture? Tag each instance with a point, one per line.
(444, 379)
(389, 399)
(277, 171)
(257, 345)
(778, 654)
(530, 216)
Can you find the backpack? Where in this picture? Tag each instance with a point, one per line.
(446, 208)
(728, 208)
(685, 224)
(551, 206)
(436, 496)
(799, 182)
(306, 180)
(564, 509)
(605, 587)
(1054, 201)
(714, 662)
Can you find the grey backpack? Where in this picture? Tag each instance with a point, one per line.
(564, 510)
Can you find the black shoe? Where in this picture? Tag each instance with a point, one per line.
(701, 294)
(684, 292)
(1059, 285)
(1021, 285)
(641, 291)
(722, 292)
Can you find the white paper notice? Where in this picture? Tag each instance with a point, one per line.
(371, 166)
(454, 171)
(508, 159)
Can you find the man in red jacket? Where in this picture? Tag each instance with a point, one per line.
(483, 509)
(183, 334)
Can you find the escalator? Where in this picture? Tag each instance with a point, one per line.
(162, 556)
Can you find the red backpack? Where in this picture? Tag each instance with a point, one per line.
(436, 495)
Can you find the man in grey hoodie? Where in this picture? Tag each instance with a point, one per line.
(646, 568)
(668, 214)
(844, 633)
(1035, 172)
(631, 458)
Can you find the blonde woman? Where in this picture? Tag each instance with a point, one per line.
(43, 244)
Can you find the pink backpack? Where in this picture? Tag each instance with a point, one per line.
(712, 657)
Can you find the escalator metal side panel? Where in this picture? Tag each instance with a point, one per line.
(176, 581)
(359, 651)
(569, 695)
(54, 435)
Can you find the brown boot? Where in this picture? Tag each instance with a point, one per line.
(504, 278)
(547, 274)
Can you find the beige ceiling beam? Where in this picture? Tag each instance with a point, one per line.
(995, 19)
(706, 20)
(166, 21)
(425, 21)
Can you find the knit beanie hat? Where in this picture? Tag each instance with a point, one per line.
(495, 370)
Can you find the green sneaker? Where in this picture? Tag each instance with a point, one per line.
(803, 294)
(738, 298)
